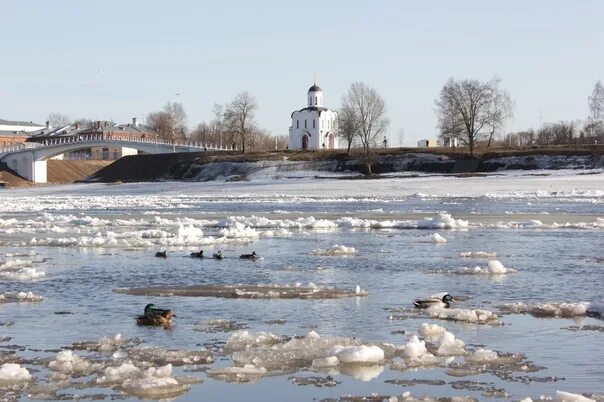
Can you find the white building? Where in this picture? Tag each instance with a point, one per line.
(315, 126)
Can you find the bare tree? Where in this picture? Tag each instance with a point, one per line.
(201, 133)
(596, 102)
(170, 122)
(239, 116)
(401, 136)
(472, 110)
(348, 124)
(369, 109)
(500, 110)
(556, 133)
(58, 120)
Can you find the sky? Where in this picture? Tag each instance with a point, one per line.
(115, 59)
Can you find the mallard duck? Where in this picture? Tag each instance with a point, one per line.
(156, 317)
(252, 256)
(197, 254)
(162, 254)
(438, 300)
(218, 255)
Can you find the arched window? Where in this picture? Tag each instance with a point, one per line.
(305, 123)
(316, 103)
(297, 123)
(313, 123)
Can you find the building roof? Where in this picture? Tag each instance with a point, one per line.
(11, 133)
(315, 88)
(311, 109)
(92, 127)
(19, 123)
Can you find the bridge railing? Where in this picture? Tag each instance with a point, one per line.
(51, 142)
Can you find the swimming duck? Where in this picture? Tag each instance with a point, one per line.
(218, 255)
(252, 256)
(156, 317)
(161, 254)
(438, 300)
(197, 254)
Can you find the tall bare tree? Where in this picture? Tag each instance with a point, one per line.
(472, 110)
(348, 125)
(239, 115)
(58, 120)
(170, 123)
(596, 102)
(369, 109)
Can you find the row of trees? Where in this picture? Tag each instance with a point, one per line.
(233, 126)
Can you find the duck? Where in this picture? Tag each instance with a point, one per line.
(155, 317)
(197, 254)
(442, 300)
(218, 255)
(162, 254)
(252, 256)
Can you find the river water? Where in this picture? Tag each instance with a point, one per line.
(74, 245)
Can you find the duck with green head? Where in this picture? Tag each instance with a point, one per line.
(154, 316)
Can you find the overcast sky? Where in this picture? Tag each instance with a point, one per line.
(116, 59)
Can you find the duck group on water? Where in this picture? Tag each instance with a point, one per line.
(442, 300)
(217, 255)
(162, 254)
(155, 317)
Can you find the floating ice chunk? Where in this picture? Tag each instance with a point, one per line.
(336, 250)
(12, 372)
(562, 396)
(242, 340)
(431, 330)
(477, 254)
(437, 239)
(415, 348)
(494, 268)
(457, 314)
(360, 292)
(448, 345)
(325, 362)
(555, 309)
(359, 354)
(443, 221)
(526, 400)
(119, 374)
(22, 274)
(156, 383)
(482, 356)
(28, 296)
(67, 362)
(160, 356)
(246, 374)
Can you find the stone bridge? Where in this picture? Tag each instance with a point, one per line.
(28, 159)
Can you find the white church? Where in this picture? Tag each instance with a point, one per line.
(315, 126)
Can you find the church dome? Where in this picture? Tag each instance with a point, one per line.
(314, 88)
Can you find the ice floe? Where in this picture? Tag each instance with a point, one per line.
(494, 267)
(22, 297)
(14, 373)
(437, 239)
(69, 363)
(553, 309)
(477, 254)
(335, 250)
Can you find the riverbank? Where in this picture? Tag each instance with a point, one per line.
(293, 164)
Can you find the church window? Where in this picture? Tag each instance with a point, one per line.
(297, 123)
(313, 123)
(316, 103)
(310, 101)
(305, 123)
